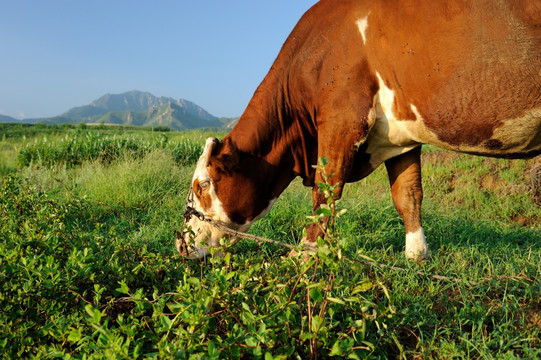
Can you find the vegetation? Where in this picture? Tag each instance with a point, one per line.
(89, 269)
(76, 148)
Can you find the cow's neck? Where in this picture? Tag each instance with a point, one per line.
(280, 140)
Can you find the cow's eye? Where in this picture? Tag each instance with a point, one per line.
(205, 184)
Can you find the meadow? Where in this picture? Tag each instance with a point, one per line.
(89, 270)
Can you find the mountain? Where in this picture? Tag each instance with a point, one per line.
(8, 119)
(142, 109)
(229, 123)
(139, 109)
(172, 115)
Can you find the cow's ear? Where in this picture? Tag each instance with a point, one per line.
(225, 157)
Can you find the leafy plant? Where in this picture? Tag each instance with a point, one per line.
(89, 269)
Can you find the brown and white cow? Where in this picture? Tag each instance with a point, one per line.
(367, 82)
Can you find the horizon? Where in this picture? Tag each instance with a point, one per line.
(65, 54)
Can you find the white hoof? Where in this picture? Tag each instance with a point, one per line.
(416, 247)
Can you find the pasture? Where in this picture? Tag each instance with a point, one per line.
(89, 270)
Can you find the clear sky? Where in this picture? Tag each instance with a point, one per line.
(57, 54)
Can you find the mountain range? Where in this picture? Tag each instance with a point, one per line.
(139, 109)
(5, 118)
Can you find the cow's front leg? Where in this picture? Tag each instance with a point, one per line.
(345, 115)
(405, 178)
(319, 228)
(332, 175)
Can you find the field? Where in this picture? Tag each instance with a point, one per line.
(88, 267)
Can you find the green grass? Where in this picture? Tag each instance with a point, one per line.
(89, 269)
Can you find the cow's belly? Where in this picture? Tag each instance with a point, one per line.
(388, 138)
(391, 136)
(518, 137)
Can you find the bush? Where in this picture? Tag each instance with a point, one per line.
(76, 285)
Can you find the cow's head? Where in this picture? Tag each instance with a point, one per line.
(224, 191)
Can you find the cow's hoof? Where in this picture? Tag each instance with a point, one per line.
(416, 247)
(418, 256)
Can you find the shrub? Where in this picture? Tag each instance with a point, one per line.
(76, 286)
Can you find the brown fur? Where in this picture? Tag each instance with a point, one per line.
(406, 188)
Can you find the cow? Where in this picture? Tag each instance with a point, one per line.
(363, 83)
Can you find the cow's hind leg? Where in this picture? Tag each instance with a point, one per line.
(405, 178)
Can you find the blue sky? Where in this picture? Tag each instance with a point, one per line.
(57, 54)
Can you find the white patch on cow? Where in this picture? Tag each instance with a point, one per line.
(416, 112)
(397, 131)
(517, 135)
(201, 171)
(389, 136)
(198, 253)
(362, 25)
(416, 247)
(521, 134)
(216, 211)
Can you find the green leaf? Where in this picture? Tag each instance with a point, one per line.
(230, 275)
(337, 349)
(194, 281)
(323, 212)
(262, 329)
(317, 322)
(336, 300)
(74, 335)
(166, 322)
(316, 294)
(341, 347)
(364, 286)
(251, 341)
(124, 289)
(214, 353)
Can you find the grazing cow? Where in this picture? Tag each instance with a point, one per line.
(368, 82)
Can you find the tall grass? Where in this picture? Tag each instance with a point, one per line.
(75, 148)
(8, 156)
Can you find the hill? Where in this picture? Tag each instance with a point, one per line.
(140, 109)
(170, 114)
(7, 119)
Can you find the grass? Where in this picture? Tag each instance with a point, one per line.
(89, 269)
